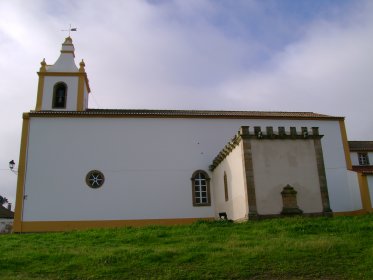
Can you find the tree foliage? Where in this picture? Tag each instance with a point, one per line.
(3, 200)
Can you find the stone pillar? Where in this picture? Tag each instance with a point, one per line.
(321, 172)
(249, 172)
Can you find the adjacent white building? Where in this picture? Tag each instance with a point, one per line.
(82, 167)
(362, 163)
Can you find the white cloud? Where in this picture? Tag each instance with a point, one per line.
(328, 71)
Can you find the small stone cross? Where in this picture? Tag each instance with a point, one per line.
(70, 29)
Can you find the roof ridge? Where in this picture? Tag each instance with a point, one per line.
(360, 145)
(187, 113)
(194, 110)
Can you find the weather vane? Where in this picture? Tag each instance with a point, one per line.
(70, 29)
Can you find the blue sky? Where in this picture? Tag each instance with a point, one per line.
(283, 55)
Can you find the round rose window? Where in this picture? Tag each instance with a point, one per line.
(95, 179)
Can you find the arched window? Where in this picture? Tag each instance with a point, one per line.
(201, 188)
(59, 96)
(226, 187)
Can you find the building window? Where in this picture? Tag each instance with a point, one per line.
(95, 179)
(201, 188)
(363, 158)
(59, 96)
(226, 187)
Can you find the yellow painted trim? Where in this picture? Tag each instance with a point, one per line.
(350, 213)
(39, 98)
(74, 225)
(364, 192)
(345, 144)
(80, 95)
(17, 224)
(61, 74)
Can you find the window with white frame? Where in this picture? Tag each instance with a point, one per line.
(201, 188)
(363, 158)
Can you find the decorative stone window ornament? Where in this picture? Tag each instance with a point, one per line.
(289, 201)
(95, 179)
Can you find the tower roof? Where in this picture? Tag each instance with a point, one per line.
(65, 63)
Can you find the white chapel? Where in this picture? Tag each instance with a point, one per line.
(81, 167)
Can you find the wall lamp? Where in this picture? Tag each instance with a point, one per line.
(11, 166)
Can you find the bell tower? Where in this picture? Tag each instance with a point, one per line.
(63, 86)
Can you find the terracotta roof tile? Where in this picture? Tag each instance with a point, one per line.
(185, 114)
(360, 145)
(365, 169)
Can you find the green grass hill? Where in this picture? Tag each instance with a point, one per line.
(289, 248)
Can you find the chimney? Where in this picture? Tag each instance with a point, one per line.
(10, 206)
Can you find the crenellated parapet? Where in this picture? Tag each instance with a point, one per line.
(265, 133)
(269, 132)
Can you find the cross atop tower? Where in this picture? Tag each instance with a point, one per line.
(70, 29)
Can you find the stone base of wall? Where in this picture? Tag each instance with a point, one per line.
(271, 216)
(291, 211)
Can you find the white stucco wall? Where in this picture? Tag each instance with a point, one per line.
(354, 158)
(147, 163)
(354, 189)
(86, 93)
(277, 163)
(72, 91)
(65, 62)
(237, 205)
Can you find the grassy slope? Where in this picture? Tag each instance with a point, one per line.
(293, 248)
